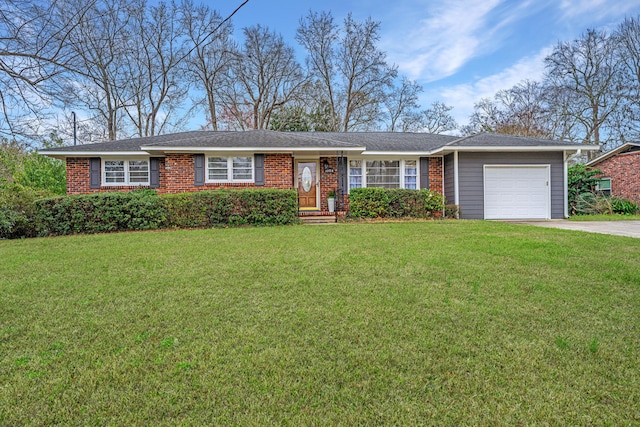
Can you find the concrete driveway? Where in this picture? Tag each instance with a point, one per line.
(618, 228)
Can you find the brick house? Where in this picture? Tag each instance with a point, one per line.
(487, 175)
(620, 171)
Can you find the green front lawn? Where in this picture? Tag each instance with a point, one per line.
(420, 323)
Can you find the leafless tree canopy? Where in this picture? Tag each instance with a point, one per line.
(139, 68)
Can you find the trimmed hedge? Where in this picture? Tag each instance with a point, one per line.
(17, 211)
(100, 213)
(395, 203)
(232, 208)
(145, 210)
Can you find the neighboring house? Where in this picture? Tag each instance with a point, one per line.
(620, 171)
(488, 176)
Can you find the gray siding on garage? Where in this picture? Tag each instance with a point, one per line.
(471, 180)
(449, 179)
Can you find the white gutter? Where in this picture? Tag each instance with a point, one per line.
(514, 148)
(247, 149)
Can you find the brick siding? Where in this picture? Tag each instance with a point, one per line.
(436, 174)
(624, 171)
(177, 175)
(328, 180)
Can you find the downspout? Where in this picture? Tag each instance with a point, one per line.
(565, 156)
(456, 188)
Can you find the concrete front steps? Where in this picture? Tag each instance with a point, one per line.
(318, 217)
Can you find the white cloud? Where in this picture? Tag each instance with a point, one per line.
(463, 96)
(600, 8)
(447, 36)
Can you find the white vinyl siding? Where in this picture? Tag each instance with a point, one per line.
(230, 169)
(125, 172)
(383, 174)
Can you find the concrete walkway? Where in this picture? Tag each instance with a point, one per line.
(618, 228)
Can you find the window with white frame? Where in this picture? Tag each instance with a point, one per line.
(355, 173)
(230, 169)
(125, 172)
(411, 174)
(383, 173)
(603, 186)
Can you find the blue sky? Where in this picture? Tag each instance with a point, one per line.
(458, 50)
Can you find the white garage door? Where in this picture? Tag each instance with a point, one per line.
(517, 192)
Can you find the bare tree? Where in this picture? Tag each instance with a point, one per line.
(156, 86)
(268, 76)
(347, 64)
(96, 81)
(627, 38)
(527, 109)
(211, 56)
(33, 38)
(401, 104)
(586, 71)
(438, 119)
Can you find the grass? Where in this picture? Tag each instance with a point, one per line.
(436, 323)
(605, 217)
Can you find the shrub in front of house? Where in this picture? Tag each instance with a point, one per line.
(146, 210)
(594, 204)
(395, 203)
(100, 213)
(231, 208)
(17, 211)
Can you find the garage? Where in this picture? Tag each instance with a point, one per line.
(517, 192)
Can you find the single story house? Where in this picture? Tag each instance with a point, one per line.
(488, 176)
(620, 171)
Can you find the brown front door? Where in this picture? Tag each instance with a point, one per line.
(307, 188)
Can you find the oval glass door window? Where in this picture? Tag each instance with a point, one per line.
(306, 179)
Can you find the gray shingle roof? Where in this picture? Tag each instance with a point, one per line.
(373, 141)
(498, 140)
(390, 141)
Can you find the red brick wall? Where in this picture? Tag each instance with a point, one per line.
(328, 180)
(177, 175)
(78, 175)
(78, 179)
(624, 171)
(435, 174)
(278, 171)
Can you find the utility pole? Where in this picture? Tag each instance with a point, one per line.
(75, 140)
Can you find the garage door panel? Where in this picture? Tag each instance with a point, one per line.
(516, 192)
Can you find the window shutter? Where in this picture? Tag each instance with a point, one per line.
(94, 172)
(154, 172)
(342, 175)
(424, 172)
(259, 168)
(198, 162)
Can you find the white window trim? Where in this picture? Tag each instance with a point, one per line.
(126, 182)
(230, 170)
(402, 166)
(606, 189)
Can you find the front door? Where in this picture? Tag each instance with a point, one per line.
(307, 185)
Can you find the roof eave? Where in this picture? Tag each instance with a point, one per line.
(612, 153)
(64, 154)
(512, 148)
(151, 148)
